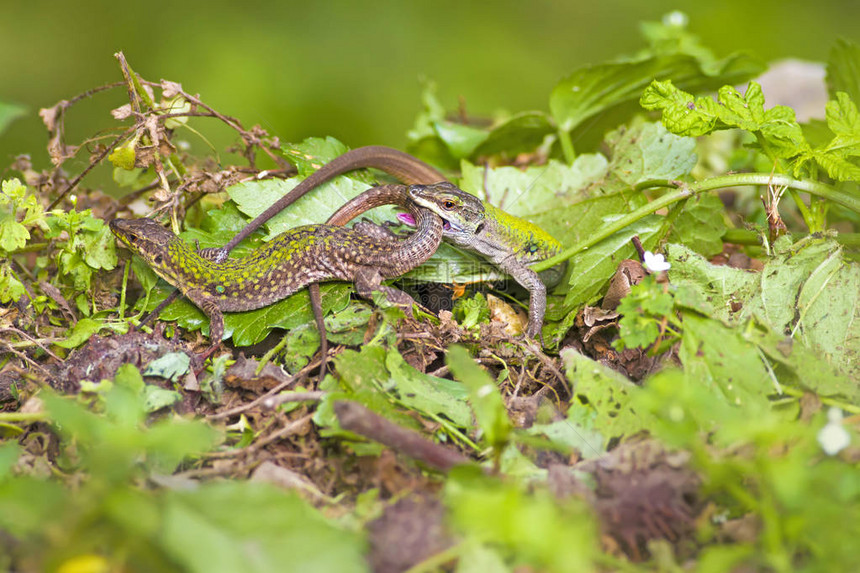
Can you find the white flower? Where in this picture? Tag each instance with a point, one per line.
(676, 19)
(655, 263)
(833, 437)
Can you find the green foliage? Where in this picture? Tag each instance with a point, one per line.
(212, 527)
(602, 407)
(80, 244)
(484, 397)
(471, 312)
(527, 529)
(643, 311)
(776, 130)
(775, 470)
(753, 354)
(843, 71)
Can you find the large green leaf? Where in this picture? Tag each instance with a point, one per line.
(524, 192)
(490, 412)
(602, 404)
(843, 69)
(595, 89)
(520, 133)
(250, 327)
(253, 527)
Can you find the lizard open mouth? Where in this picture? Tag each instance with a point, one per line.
(408, 219)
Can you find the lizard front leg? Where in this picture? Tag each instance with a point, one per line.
(530, 281)
(368, 280)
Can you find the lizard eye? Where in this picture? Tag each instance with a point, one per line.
(157, 259)
(448, 205)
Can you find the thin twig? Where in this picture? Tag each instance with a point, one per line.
(245, 407)
(287, 430)
(354, 417)
(91, 165)
(274, 401)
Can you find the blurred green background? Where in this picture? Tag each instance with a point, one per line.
(353, 69)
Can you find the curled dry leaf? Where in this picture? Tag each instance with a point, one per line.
(122, 112)
(170, 89)
(52, 117)
(629, 273)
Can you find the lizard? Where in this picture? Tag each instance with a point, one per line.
(294, 259)
(469, 223)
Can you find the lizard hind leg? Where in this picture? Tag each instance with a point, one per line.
(316, 307)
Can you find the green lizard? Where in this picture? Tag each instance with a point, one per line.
(508, 241)
(298, 257)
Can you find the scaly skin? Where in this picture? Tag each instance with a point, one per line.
(281, 267)
(508, 241)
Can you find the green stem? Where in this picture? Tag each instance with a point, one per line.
(685, 191)
(125, 270)
(9, 417)
(566, 146)
(436, 561)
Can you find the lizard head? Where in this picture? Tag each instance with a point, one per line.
(463, 214)
(156, 245)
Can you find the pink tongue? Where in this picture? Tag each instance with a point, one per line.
(406, 218)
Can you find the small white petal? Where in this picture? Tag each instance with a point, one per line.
(655, 263)
(833, 438)
(485, 390)
(676, 19)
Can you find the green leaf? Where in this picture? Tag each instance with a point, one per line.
(362, 377)
(719, 358)
(82, 331)
(256, 528)
(9, 453)
(349, 326)
(123, 157)
(155, 398)
(485, 399)
(13, 235)
(129, 377)
(100, 248)
(700, 225)
(715, 289)
(525, 192)
(646, 150)
(642, 310)
(461, 140)
(472, 311)
(427, 394)
(170, 366)
(595, 89)
(603, 402)
(11, 289)
(684, 114)
(302, 343)
(520, 133)
(843, 69)
(313, 153)
(596, 265)
(566, 432)
(9, 113)
(839, 157)
(535, 529)
(250, 327)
